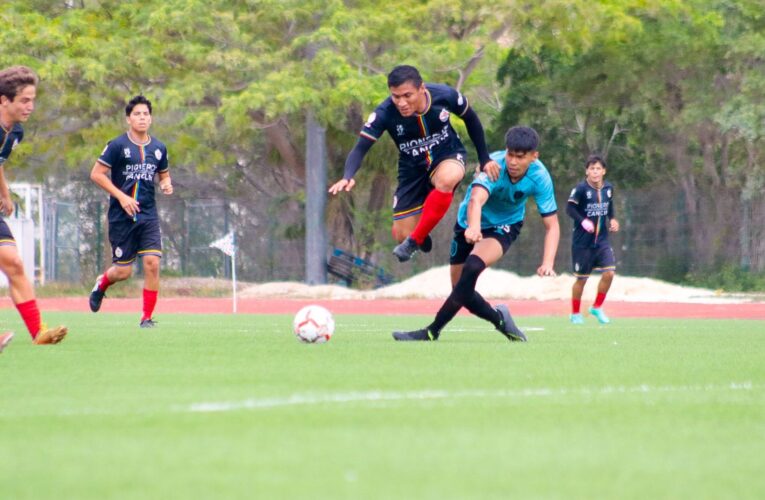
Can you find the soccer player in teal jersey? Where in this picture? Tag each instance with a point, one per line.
(431, 161)
(489, 220)
(18, 90)
(591, 207)
(126, 170)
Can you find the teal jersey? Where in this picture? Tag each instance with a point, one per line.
(507, 200)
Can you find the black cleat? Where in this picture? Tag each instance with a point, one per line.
(96, 297)
(427, 244)
(148, 323)
(507, 325)
(423, 334)
(404, 250)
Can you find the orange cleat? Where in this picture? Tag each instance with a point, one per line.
(50, 336)
(5, 339)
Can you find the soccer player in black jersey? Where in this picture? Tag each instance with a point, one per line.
(18, 90)
(126, 170)
(591, 207)
(431, 160)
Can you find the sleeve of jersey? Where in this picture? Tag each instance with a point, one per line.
(355, 157)
(109, 155)
(545, 196)
(163, 163)
(484, 181)
(374, 127)
(611, 205)
(572, 206)
(475, 131)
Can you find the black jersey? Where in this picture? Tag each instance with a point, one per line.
(596, 205)
(133, 168)
(422, 139)
(9, 139)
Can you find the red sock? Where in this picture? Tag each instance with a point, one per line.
(599, 300)
(575, 305)
(149, 301)
(31, 316)
(103, 282)
(435, 207)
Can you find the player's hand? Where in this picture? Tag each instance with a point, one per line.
(491, 169)
(129, 205)
(588, 225)
(342, 185)
(6, 206)
(545, 270)
(473, 235)
(613, 226)
(166, 187)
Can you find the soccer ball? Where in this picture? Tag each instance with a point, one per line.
(313, 325)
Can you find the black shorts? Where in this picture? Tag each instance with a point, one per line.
(461, 249)
(6, 237)
(586, 260)
(130, 239)
(414, 186)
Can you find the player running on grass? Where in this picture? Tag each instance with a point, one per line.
(126, 171)
(591, 206)
(431, 156)
(489, 220)
(18, 89)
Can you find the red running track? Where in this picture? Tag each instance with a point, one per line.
(751, 310)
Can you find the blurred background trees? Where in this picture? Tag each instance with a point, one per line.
(671, 91)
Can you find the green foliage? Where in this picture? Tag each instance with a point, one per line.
(728, 278)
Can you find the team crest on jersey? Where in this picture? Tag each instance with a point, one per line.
(158, 154)
(118, 252)
(399, 129)
(371, 119)
(15, 143)
(127, 152)
(589, 195)
(444, 116)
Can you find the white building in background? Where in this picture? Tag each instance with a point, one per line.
(26, 224)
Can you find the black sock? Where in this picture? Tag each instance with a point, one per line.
(478, 306)
(462, 293)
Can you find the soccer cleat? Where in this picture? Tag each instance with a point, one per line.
(507, 325)
(423, 334)
(148, 323)
(600, 315)
(404, 250)
(577, 319)
(427, 244)
(50, 335)
(96, 296)
(5, 339)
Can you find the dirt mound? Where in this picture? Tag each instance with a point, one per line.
(495, 284)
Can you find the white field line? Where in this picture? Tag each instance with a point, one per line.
(377, 397)
(384, 396)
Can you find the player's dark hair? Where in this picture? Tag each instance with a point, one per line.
(522, 139)
(595, 159)
(135, 101)
(15, 78)
(402, 74)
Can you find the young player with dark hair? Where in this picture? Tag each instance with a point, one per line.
(126, 170)
(591, 207)
(18, 90)
(489, 220)
(431, 160)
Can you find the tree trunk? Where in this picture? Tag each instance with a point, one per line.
(315, 202)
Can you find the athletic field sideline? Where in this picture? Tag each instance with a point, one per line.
(224, 406)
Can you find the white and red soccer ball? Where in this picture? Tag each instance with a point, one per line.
(313, 325)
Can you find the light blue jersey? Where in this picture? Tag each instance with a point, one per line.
(507, 200)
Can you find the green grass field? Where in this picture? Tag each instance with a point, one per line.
(213, 406)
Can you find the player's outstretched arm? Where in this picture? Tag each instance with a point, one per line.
(100, 175)
(165, 183)
(552, 237)
(352, 165)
